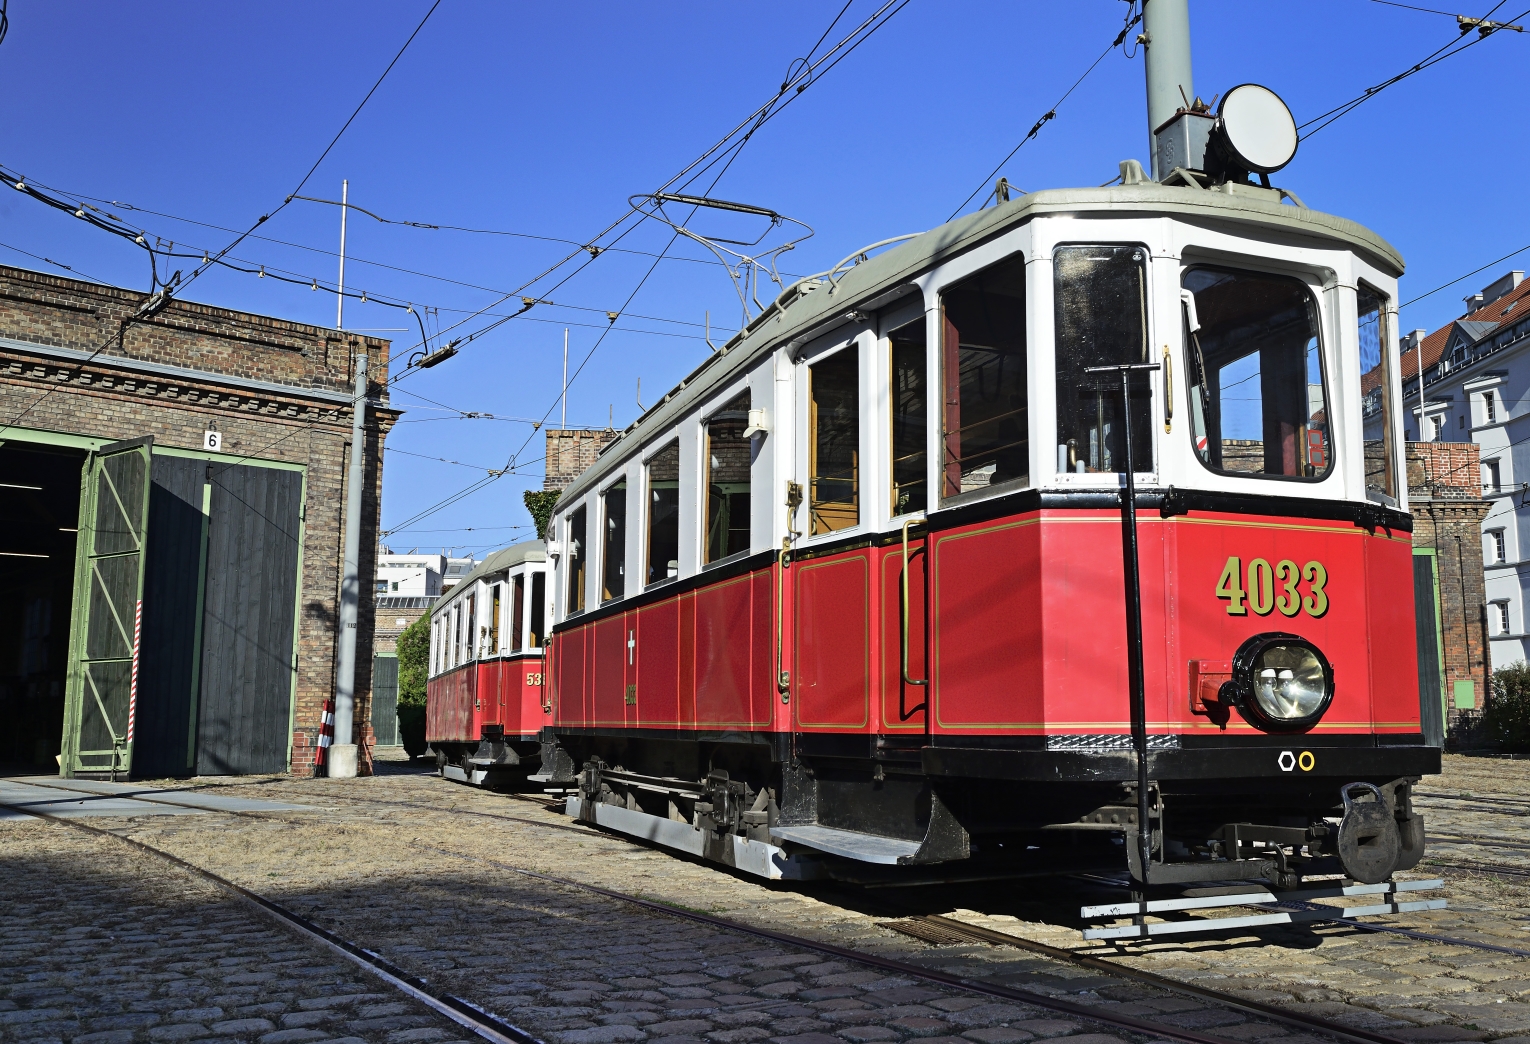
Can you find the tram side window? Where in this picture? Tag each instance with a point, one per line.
(576, 561)
(909, 417)
(727, 464)
(834, 445)
(613, 552)
(1101, 320)
(538, 608)
(495, 608)
(517, 611)
(664, 514)
(470, 649)
(985, 435)
(1258, 405)
(1376, 398)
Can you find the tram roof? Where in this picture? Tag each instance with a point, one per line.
(498, 562)
(807, 309)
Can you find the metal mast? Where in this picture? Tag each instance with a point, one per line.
(343, 754)
(1166, 56)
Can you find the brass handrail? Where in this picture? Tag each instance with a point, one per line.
(903, 609)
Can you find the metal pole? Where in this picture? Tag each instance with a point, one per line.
(350, 584)
(1166, 56)
(1134, 670)
(563, 420)
(345, 188)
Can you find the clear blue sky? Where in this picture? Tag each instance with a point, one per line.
(543, 118)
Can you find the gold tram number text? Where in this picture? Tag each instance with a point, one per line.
(1265, 588)
(533, 679)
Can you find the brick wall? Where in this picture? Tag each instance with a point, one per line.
(107, 398)
(1445, 497)
(570, 451)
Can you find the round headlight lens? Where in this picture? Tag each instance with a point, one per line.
(1289, 682)
(1284, 682)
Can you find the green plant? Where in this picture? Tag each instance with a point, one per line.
(539, 502)
(413, 662)
(1506, 711)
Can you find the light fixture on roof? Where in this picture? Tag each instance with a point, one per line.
(1255, 130)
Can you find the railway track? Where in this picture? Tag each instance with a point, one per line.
(936, 929)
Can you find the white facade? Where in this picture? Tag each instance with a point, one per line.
(418, 575)
(1477, 389)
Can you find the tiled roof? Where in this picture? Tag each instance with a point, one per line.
(1510, 308)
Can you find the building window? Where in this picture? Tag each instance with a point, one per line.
(1461, 421)
(1438, 426)
(908, 395)
(1497, 544)
(984, 429)
(382, 587)
(728, 459)
(613, 552)
(1489, 408)
(664, 514)
(834, 442)
(1501, 616)
(1491, 482)
(576, 561)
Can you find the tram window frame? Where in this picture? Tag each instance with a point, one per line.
(496, 607)
(720, 505)
(908, 409)
(613, 541)
(517, 611)
(470, 630)
(577, 556)
(536, 626)
(1315, 347)
(1379, 455)
(1084, 337)
(954, 400)
(662, 515)
(827, 515)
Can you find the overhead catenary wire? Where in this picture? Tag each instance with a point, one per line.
(159, 296)
(1134, 15)
(1440, 54)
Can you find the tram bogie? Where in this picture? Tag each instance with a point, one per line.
(486, 699)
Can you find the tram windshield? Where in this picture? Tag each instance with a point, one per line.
(1258, 404)
(1101, 319)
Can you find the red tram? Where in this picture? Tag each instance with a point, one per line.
(485, 695)
(874, 586)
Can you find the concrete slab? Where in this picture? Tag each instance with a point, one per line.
(90, 797)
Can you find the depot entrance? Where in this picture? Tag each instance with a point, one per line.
(148, 610)
(39, 513)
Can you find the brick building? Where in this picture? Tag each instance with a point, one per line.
(201, 456)
(1447, 505)
(570, 451)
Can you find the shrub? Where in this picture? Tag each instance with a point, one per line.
(1506, 711)
(539, 502)
(413, 662)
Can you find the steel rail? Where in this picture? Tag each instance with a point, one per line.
(464, 1013)
(1333, 1029)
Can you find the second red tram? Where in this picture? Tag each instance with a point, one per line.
(486, 694)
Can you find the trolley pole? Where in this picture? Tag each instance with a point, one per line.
(1134, 671)
(342, 756)
(1166, 57)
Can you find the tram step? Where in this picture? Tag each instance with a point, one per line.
(852, 844)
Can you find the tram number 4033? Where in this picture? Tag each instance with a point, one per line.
(1266, 588)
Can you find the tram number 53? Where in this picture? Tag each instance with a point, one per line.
(1265, 588)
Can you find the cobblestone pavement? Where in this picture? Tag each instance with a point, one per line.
(102, 945)
(416, 868)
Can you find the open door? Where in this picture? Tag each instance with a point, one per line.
(108, 603)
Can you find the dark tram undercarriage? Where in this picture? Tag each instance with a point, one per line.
(857, 807)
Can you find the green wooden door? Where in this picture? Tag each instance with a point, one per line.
(108, 604)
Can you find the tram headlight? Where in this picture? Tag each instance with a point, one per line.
(1284, 682)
